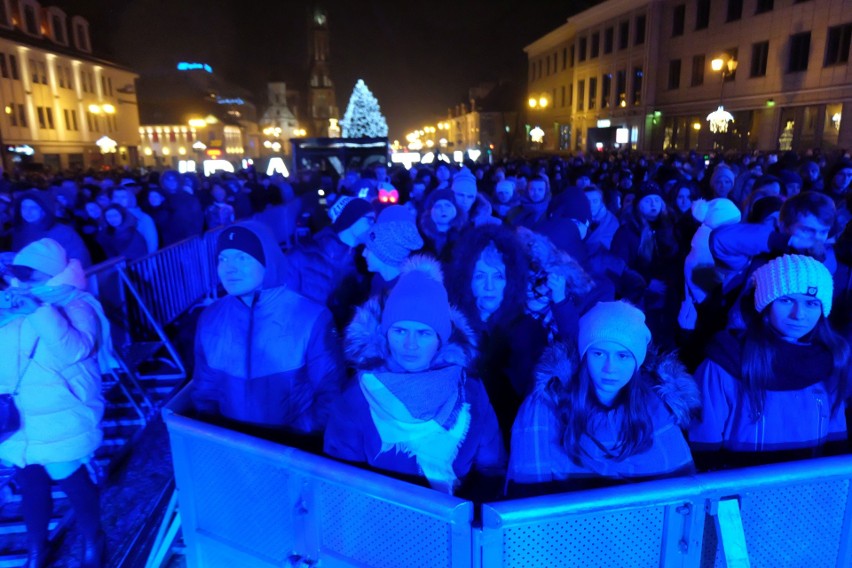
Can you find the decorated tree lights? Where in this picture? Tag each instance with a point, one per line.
(363, 117)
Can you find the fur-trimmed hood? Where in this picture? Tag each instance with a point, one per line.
(544, 255)
(669, 377)
(366, 347)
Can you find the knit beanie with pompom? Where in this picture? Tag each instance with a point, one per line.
(420, 296)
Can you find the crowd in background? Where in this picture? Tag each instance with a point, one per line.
(511, 328)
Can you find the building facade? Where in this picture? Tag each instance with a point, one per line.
(189, 115)
(279, 122)
(321, 100)
(62, 106)
(641, 74)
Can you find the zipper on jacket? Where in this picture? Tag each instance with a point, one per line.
(759, 433)
(820, 422)
(250, 341)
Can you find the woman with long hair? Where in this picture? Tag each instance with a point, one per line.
(603, 411)
(777, 389)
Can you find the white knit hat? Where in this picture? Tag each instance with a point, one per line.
(618, 322)
(44, 255)
(716, 212)
(792, 274)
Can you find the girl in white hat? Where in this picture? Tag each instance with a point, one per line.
(603, 412)
(778, 387)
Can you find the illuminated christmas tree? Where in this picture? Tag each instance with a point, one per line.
(363, 116)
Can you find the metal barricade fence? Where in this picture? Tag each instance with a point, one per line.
(167, 283)
(796, 514)
(250, 502)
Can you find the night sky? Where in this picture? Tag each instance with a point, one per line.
(418, 58)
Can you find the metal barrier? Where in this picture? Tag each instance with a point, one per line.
(250, 502)
(793, 514)
(167, 283)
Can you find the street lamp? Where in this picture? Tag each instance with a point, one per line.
(720, 118)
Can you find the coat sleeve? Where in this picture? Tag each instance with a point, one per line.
(326, 370)
(534, 442)
(66, 335)
(344, 434)
(491, 454)
(622, 245)
(707, 434)
(205, 391)
(733, 246)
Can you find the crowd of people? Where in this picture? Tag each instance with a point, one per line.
(538, 326)
(486, 330)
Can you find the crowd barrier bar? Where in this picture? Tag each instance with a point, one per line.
(771, 514)
(250, 502)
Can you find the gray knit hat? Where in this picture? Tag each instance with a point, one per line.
(618, 322)
(394, 236)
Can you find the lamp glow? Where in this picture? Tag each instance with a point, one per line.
(537, 135)
(719, 120)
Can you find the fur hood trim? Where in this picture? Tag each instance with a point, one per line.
(669, 377)
(366, 347)
(543, 255)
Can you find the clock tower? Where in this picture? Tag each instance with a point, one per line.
(322, 104)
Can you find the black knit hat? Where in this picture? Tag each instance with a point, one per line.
(243, 239)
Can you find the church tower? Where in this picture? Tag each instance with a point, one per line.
(322, 104)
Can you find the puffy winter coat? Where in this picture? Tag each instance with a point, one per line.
(537, 454)
(352, 435)
(275, 364)
(797, 414)
(60, 391)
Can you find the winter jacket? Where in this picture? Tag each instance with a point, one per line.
(352, 435)
(124, 240)
(60, 391)
(242, 372)
(24, 233)
(794, 417)
(537, 454)
(502, 209)
(186, 217)
(528, 214)
(663, 264)
(482, 213)
(275, 364)
(601, 232)
(325, 271)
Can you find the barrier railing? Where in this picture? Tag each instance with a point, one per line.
(250, 502)
(168, 282)
(791, 514)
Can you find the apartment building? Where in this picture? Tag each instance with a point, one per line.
(646, 74)
(62, 106)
